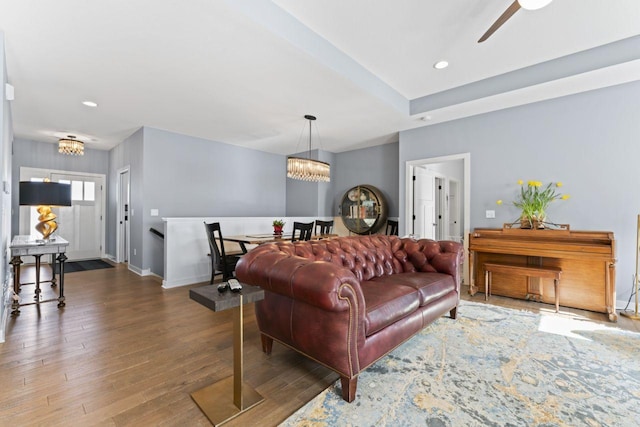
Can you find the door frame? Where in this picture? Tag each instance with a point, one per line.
(120, 256)
(466, 166)
(457, 211)
(48, 172)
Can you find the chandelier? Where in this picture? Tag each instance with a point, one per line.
(307, 169)
(71, 146)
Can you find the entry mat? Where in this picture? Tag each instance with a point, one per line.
(88, 264)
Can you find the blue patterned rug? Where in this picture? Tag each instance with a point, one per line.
(495, 366)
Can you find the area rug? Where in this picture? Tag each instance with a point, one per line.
(495, 366)
(89, 264)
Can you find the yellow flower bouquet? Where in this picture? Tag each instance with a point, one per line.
(533, 200)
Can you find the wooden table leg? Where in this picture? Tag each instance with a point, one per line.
(472, 275)
(15, 304)
(61, 259)
(53, 271)
(487, 279)
(38, 290)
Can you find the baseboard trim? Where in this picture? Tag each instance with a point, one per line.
(186, 281)
(139, 271)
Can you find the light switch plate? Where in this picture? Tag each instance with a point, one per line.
(154, 212)
(490, 214)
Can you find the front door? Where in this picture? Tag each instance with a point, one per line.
(81, 223)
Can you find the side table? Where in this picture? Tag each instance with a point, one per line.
(230, 396)
(27, 246)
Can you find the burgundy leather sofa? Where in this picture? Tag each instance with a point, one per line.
(347, 302)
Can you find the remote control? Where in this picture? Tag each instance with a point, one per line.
(222, 287)
(234, 285)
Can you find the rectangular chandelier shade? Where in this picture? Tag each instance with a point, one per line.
(308, 169)
(44, 193)
(71, 147)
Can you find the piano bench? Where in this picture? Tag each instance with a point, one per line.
(522, 270)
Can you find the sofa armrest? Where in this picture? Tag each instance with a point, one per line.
(319, 283)
(316, 307)
(436, 256)
(449, 259)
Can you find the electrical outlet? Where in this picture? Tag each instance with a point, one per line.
(154, 212)
(134, 251)
(490, 214)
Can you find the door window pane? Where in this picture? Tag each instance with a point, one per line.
(89, 191)
(76, 190)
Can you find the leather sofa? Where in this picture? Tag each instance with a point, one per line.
(348, 301)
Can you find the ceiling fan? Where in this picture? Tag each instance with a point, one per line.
(517, 4)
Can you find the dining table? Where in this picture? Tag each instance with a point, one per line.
(258, 239)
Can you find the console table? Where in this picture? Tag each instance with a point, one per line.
(28, 246)
(230, 396)
(586, 258)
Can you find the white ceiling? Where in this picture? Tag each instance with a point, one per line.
(245, 72)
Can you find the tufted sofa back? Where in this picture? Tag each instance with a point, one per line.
(377, 255)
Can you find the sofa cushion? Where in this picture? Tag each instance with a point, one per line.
(431, 286)
(385, 304)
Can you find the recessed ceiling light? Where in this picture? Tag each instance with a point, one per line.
(440, 65)
(89, 103)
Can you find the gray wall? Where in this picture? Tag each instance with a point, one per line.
(127, 154)
(377, 166)
(6, 137)
(44, 155)
(589, 141)
(187, 176)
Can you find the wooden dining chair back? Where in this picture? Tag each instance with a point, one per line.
(305, 230)
(221, 262)
(323, 227)
(392, 228)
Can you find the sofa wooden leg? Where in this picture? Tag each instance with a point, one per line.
(267, 343)
(454, 312)
(349, 386)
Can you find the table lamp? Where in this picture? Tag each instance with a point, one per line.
(44, 195)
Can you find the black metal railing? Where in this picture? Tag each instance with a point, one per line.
(156, 232)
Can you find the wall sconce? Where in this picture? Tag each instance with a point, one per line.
(44, 195)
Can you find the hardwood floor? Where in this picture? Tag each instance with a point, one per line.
(125, 352)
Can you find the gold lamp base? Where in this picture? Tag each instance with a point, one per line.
(46, 221)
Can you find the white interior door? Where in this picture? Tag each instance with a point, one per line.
(81, 223)
(424, 204)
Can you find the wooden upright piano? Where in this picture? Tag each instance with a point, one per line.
(587, 260)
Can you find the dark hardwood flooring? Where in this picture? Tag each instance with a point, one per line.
(125, 352)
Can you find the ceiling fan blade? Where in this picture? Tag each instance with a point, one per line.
(501, 20)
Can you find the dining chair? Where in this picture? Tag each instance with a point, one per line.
(392, 228)
(305, 230)
(326, 227)
(221, 262)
